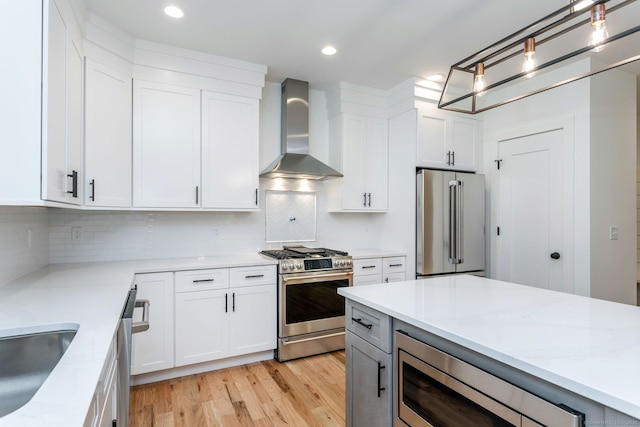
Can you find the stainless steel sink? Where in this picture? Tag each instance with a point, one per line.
(25, 363)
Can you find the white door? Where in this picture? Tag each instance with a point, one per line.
(253, 319)
(530, 212)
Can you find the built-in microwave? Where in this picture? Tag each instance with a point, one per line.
(435, 389)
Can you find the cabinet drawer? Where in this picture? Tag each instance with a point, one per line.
(250, 276)
(369, 279)
(367, 266)
(369, 324)
(393, 265)
(200, 280)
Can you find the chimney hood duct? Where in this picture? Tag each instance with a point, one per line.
(295, 161)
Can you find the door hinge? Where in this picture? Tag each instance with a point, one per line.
(498, 162)
(498, 230)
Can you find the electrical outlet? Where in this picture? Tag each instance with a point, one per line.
(76, 233)
(613, 233)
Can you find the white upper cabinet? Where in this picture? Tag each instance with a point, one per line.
(447, 141)
(166, 145)
(229, 151)
(363, 143)
(107, 136)
(62, 106)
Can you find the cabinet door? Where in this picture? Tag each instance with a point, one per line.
(369, 387)
(354, 140)
(107, 136)
(464, 143)
(166, 145)
(202, 326)
(152, 350)
(75, 113)
(432, 146)
(54, 166)
(377, 164)
(229, 151)
(253, 319)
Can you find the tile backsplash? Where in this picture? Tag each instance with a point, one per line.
(290, 216)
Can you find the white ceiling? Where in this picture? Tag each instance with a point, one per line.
(380, 43)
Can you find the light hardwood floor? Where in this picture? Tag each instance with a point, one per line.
(302, 392)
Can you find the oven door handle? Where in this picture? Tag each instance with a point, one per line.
(292, 280)
(286, 341)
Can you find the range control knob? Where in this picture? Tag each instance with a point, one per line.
(299, 265)
(285, 266)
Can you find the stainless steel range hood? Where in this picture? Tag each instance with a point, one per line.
(295, 161)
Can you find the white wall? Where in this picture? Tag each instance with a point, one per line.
(17, 257)
(612, 184)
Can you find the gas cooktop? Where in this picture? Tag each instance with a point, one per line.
(300, 252)
(299, 259)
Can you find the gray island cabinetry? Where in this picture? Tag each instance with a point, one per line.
(369, 366)
(567, 355)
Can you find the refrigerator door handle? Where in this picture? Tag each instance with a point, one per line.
(455, 234)
(459, 223)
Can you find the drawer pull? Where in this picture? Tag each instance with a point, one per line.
(395, 265)
(360, 322)
(380, 368)
(368, 266)
(254, 276)
(203, 280)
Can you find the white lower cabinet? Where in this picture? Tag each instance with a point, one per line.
(233, 317)
(103, 411)
(369, 271)
(153, 349)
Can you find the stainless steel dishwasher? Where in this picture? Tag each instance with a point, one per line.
(128, 327)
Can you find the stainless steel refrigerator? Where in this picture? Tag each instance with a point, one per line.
(450, 223)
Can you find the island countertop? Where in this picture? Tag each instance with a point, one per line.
(588, 346)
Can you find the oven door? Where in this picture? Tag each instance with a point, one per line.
(309, 302)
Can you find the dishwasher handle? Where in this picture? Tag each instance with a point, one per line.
(144, 324)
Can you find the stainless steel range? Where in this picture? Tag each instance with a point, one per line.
(310, 311)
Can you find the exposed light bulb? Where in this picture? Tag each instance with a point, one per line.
(529, 64)
(598, 28)
(479, 82)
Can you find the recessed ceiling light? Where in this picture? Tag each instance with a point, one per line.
(329, 50)
(174, 11)
(435, 77)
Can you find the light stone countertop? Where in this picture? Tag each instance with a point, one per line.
(584, 345)
(91, 296)
(373, 253)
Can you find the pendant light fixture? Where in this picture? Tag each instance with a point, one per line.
(479, 83)
(529, 64)
(598, 28)
(556, 50)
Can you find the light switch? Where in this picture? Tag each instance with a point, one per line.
(613, 233)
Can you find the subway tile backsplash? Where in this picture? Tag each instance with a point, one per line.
(111, 236)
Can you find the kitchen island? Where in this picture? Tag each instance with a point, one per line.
(568, 349)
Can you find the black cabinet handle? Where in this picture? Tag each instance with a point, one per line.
(74, 184)
(92, 197)
(395, 265)
(449, 158)
(226, 303)
(555, 255)
(233, 306)
(256, 197)
(368, 266)
(197, 195)
(203, 280)
(255, 276)
(380, 368)
(360, 322)
(364, 199)
(453, 158)
(369, 199)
